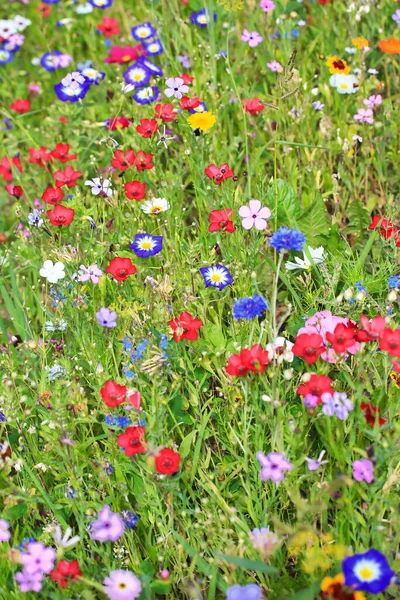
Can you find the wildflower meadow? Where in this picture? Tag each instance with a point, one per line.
(200, 299)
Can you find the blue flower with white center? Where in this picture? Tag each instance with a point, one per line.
(5, 56)
(154, 69)
(368, 572)
(35, 219)
(143, 32)
(49, 60)
(11, 46)
(145, 245)
(129, 518)
(71, 94)
(137, 75)
(287, 239)
(394, 282)
(67, 22)
(201, 18)
(147, 95)
(154, 47)
(248, 308)
(92, 76)
(216, 276)
(101, 3)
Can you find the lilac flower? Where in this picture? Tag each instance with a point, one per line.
(373, 101)
(317, 105)
(106, 317)
(252, 591)
(122, 585)
(254, 215)
(310, 401)
(396, 16)
(265, 541)
(92, 272)
(38, 558)
(337, 404)
(363, 470)
(185, 61)
(364, 115)
(175, 87)
(314, 464)
(253, 38)
(73, 80)
(275, 66)
(108, 527)
(4, 533)
(267, 5)
(273, 465)
(29, 582)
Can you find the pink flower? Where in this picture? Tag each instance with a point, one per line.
(108, 527)
(253, 38)
(267, 5)
(4, 533)
(92, 272)
(38, 558)
(363, 470)
(34, 89)
(364, 115)
(175, 87)
(373, 101)
(275, 66)
(273, 465)
(254, 215)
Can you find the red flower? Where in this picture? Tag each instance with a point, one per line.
(167, 461)
(324, 1)
(53, 195)
(370, 412)
(67, 177)
(63, 119)
(386, 227)
(165, 112)
(121, 268)
(341, 338)
(253, 106)
(5, 167)
(135, 400)
(147, 127)
(372, 328)
(390, 341)
(109, 27)
(130, 440)
(185, 327)
(134, 190)
(316, 386)
(21, 106)
(219, 174)
(143, 161)
(14, 190)
(254, 359)
(124, 54)
(60, 152)
(186, 78)
(221, 219)
(309, 346)
(123, 160)
(117, 123)
(186, 103)
(44, 9)
(39, 157)
(61, 215)
(66, 572)
(113, 393)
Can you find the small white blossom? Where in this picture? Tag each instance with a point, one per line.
(53, 272)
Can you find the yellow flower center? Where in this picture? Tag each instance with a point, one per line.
(126, 58)
(216, 277)
(156, 209)
(146, 245)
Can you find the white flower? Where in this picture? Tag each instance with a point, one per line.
(281, 349)
(21, 23)
(317, 255)
(53, 272)
(42, 467)
(345, 84)
(64, 541)
(127, 87)
(73, 80)
(83, 9)
(7, 28)
(176, 87)
(99, 187)
(154, 206)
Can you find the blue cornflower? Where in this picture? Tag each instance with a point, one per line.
(164, 341)
(252, 591)
(394, 281)
(129, 518)
(142, 422)
(55, 372)
(248, 308)
(123, 422)
(70, 493)
(24, 544)
(57, 297)
(287, 239)
(109, 419)
(127, 343)
(368, 572)
(128, 372)
(359, 286)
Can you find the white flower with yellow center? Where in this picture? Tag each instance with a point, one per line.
(317, 254)
(345, 84)
(155, 206)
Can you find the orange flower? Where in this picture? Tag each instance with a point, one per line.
(390, 46)
(333, 589)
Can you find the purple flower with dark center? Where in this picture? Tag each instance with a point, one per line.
(29, 582)
(364, 115)
(108, 527)
(396, 16)
(253, 38)
(314, 464)
(267, 5)
(185, 61)
(106, 317)
(363, 470)
(317, 105)
(38, 558)
(273, 465)
(373, 100)
(275, 66)
(337, 404)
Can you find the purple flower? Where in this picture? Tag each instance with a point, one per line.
(373, 100)
(314, 464)
(364, 115)
(338, 405)
(363, 470)
(29, 582)
(122, 585)
(275, 66)
(310, 401)
(4, 533)
(267, 5)
(106, 317)
(253, 38)
(176, 87)
(273, 465)
(38, 558)
(185, 61)
(252, 591)
(317, 105)
(396, 16)
(92, 272)
(108, 527)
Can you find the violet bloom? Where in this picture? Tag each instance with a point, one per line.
(106, 317)
(267, 5)
(38, 558)
(364, 115)
(185, 61)
(108, 527)
(4, 533)
(251, 591)
(73, 80)
(337, 404)
(275, 66)
(396, 16)
(363, 470)
(92, 272)
(273, 465)
(373, 100)
(310, 401)
(317, 105)
(29, 582)
(314, 464)
(254, 215)
(253, 38)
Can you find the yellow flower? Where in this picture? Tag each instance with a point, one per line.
(315, 558)
(203, 120)
(395, 377)
(360, 42)
(337, 66)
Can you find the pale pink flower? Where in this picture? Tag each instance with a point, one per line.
(373, 100)
(275, 66)
(175, 87)
(254, 215)
(364, 115)
(253, 38)
(267, 5)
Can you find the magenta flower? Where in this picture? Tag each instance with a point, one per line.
(122, 585)
(364, 115)
(373, 100)
(4, 533)
(273, 465)
(254, 215)
(92, 272)
(267, 5)
(29, 582)
(363, 470)
(275, 66)
(108, 527)
(38, 558)
(253, 38)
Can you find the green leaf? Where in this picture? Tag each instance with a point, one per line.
(288, 204)
(147, 568)
(16, 512)
(247, 563)
(308, 593)
(161, 587)
(314, 222)
(201, 564)
(186, 444)
(358, 217)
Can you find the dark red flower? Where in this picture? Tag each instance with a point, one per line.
(254, 359)
(185, 327)
(187, 103)
(167, 462)
(253, 105)
(324, 1)
(134, 190)
(386, 227)
(123, 160)
(390, 341)
(60, 153)
(165, 112)
(121, 268)
(66, 572)
(316, 386)
(143, 161)
(187, 79)
(147, 127)
(53, 195)
(39, 157)
(130, 440)
(67, 177)
(113, 393)
(109, 27)
(6, 167)
(221, 219)
(343, 337)
(309, 346)
(371, 412)
(219, 174)
(21, 106)
(14, 190)
(117, 123)
(372, 328)
(61, 215)
(124, 54)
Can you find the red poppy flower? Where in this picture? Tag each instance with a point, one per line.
(147, 127)
(221, 219)
(165, 112)
(187, 103)
(121, 268)
(253, 106)
(254, 359)
(134, 190)
(113, 393)
(135, 400)
(187, 79)
(309, 346)
(324, 1)
(370, 413)
(61, 215)
(390, 341)
(66, 572)
(316, 386)
(63, 119)
(67, 177)
(185, 327)
(167, 462)
(109, 27)
(123, 160)
(53, 195)
(386, 227)
(143, 161)
(219, 174)
(14, 190)
(117, 123)
(39, 157)
(21, 106)
(60, 153)
(45, 9)
(372, 328)
(124, 54)
(130, 440)
(343, 337)
(6, 165)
